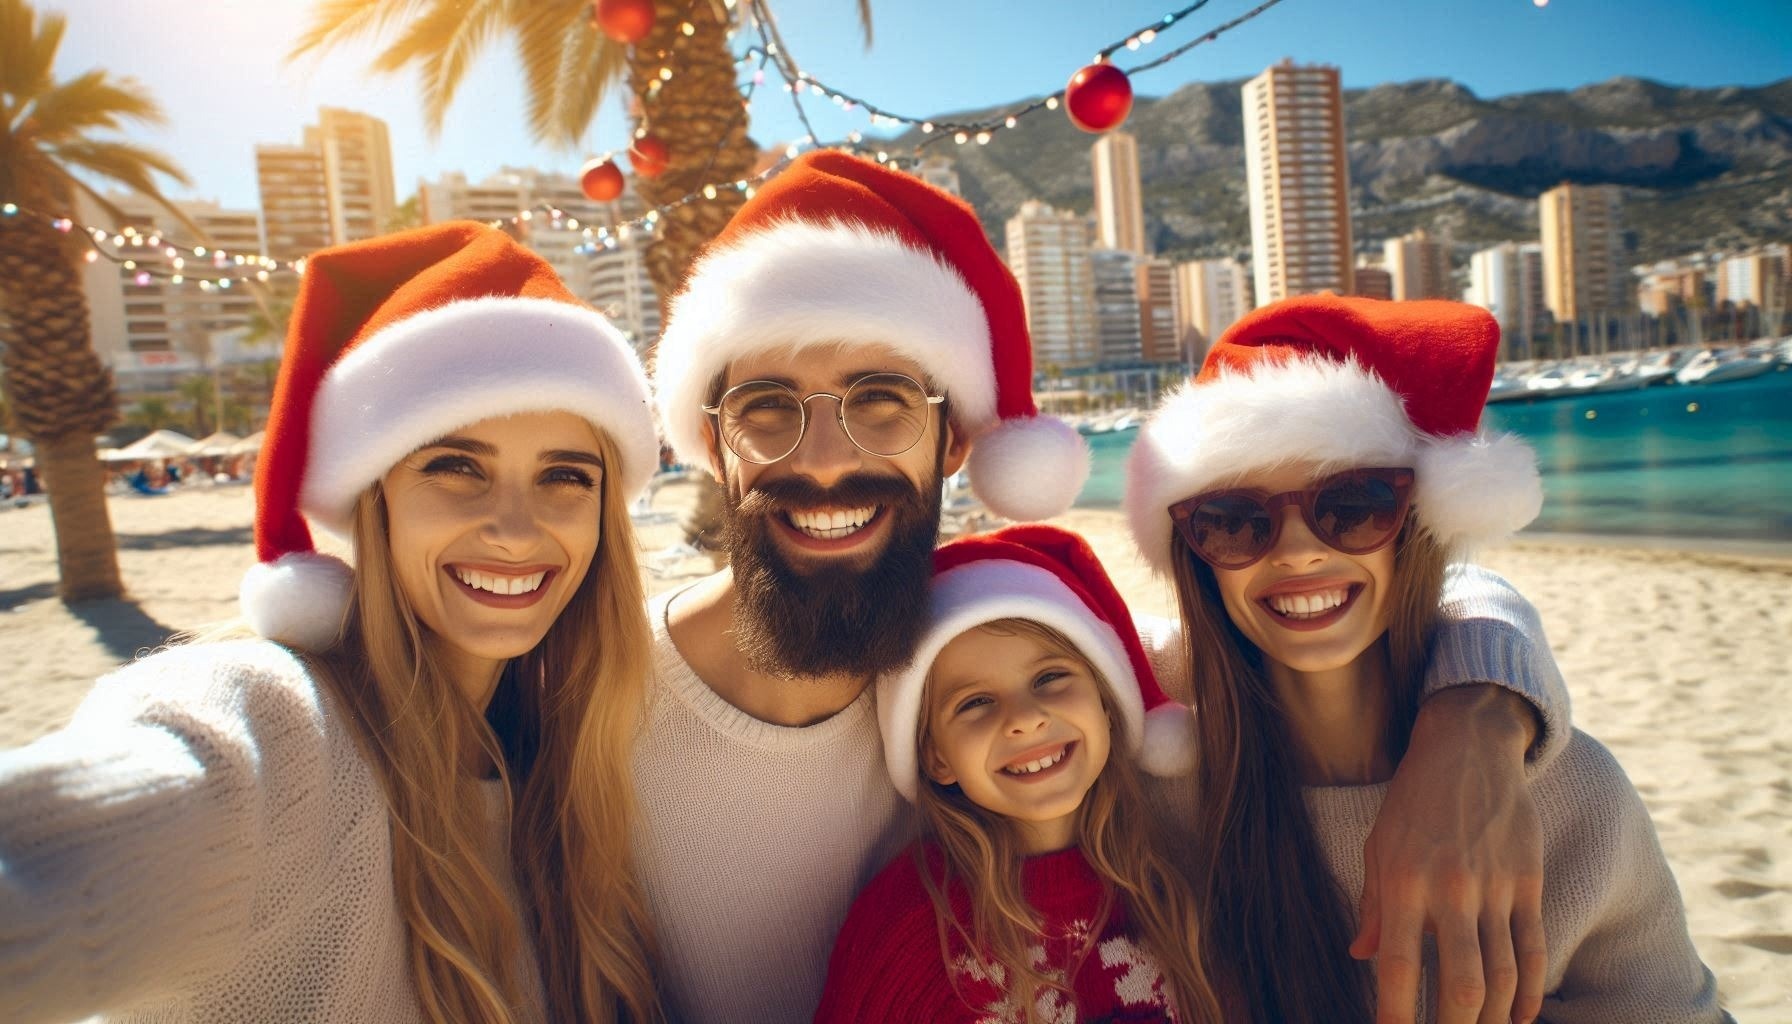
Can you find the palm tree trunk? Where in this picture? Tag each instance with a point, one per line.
(699, 116)
(61, 397)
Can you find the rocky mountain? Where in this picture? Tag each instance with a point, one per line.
(1701, 168)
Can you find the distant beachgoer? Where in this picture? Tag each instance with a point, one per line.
(407, 799)
(1306, 493)
(1043, 882)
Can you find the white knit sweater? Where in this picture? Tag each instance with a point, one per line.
(755, 837)
(204, 842)
(1618, 946)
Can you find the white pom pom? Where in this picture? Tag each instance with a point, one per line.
(1476, 490)
(1029, 469)
(298, 599)
(1169, 745)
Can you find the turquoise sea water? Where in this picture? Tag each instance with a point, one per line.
(1693, 461)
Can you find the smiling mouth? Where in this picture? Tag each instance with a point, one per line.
(499, 583)
(1312, 607)
(1036, 765)
(831, 524)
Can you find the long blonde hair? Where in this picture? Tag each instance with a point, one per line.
(1119, 838)
(1277, 924)
(572, 707)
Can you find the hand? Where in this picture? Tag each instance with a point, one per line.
(1457, 851)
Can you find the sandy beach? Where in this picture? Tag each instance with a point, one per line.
(1677, 660)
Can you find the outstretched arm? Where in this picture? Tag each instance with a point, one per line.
(132, 842)
(1456, 850)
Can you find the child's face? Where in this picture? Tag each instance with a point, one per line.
(1344, 597)
(1019, 726)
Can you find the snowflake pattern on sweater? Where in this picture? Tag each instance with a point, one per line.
(887, 964)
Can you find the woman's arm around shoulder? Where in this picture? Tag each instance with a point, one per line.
(137, 844)
(887, 966)
(1624, 946)
(1487, 632)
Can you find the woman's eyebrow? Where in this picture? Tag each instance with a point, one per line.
(462, 444)
(577, 455)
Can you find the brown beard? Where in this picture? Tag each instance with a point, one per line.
(858, 619)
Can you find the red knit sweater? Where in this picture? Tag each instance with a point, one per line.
(887, 964)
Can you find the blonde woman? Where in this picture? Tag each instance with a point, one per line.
(368, 805)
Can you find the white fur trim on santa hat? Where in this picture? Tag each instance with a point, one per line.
(449, 367)
(801, 284)
(298, 600)
(1029, 468)
(975, 593)
(1321, 412)
(1473, 490)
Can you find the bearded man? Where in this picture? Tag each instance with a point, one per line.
(848, 341)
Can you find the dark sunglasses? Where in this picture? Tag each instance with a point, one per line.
(1356, 512)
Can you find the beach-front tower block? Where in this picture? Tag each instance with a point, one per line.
(1119, 208)
(1299, 182)
(1048, 251)
(335, 188)
(1583, 274)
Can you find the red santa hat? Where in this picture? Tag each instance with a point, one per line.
(841, 250)
(1336, 382)
(393, 343)
(1050, 576)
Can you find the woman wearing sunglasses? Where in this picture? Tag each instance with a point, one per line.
(401, 792)
(1306, 493)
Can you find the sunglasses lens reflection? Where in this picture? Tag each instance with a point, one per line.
(1355, 514)
(1230, 529)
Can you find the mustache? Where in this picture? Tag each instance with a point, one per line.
(854, 491)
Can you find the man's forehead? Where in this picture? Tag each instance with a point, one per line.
(825, 365)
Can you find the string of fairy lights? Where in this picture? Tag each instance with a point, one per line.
(151, 258)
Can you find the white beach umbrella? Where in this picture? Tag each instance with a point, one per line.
(163, 444)
(218, 443)
(248, 445)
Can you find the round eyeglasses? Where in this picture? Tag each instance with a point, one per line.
(763, 421)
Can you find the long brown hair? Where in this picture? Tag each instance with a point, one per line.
(567, 714)
(1277, 926)
(1119, 838)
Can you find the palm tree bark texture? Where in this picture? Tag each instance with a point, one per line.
(61, 396)
(699, 115)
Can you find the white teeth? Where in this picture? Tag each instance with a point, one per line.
(1307, 606)
(832, 525)
(500, 584)
(1038, 764)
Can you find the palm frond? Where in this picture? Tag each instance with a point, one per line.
(130, 165)
(93, 100)
(28, 45)
(865, 20)
(443, 44)
(335, 22)
(568, 68)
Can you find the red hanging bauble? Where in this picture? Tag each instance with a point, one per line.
(1098, 97)
(626, 21)
(649, 156)
(600, 179)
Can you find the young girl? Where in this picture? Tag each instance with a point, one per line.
(1305, 493)
(320, 824)
(1038, 892)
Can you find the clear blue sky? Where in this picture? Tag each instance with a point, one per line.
(218, 68)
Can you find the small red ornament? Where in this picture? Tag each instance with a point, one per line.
(649, 156)
(1098, 97)
(626, 21)
(600, 179)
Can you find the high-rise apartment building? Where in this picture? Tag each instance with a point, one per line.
(1671, 287)
(1583, 275)
(149, 327)
(1048, 251)
(1374, 281)
(559, 226)
(1758, 278)
(335, 187)
(1214, 294)
(1419, 266)
(1116, 305)
(1299, 182)
(1119, 207)
(1160, 311)
(1507, 280)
